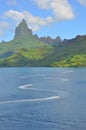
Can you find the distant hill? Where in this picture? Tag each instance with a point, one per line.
(27, 49)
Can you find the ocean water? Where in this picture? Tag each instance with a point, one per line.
(42, 98)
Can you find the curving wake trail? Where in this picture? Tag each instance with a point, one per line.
(30, 100)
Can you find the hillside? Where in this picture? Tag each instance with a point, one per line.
(72, 48)
(27, 49)
(23, 39)
(73, 61)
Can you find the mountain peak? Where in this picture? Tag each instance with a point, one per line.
(22, 29)
(23, 21)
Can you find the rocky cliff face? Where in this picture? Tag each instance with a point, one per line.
(51, 41)
(22, 30)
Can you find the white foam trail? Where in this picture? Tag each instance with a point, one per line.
(25, 86)
(35, 89)
(29, 100)
(63, 79)
(32, 88)
(70, 71)
(52, 78)
(37, 75)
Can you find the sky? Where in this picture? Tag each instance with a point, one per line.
(64, 18)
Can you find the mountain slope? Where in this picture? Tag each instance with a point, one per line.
(71, 48)
(23, 39)
(73, 61)
(27, 49)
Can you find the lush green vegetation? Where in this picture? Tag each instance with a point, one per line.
(27, 49)
(71, 54)
(74, 61)
(26, 57)
(23, 39)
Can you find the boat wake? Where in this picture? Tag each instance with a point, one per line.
(70, 71)
(29, 87)
(53, 78)
(25, 86)
(30, 100)
(33, 75)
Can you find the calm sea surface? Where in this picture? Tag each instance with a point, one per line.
(42, 98)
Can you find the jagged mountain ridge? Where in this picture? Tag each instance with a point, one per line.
(23, 38)
(27, 49)
(51, 41)
(23, 30)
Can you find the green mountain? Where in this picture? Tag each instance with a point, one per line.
(27, 49)
(24, 47)
(62, 55)
(23, 39)
(78, 60)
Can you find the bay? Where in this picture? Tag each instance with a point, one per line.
(42, 98)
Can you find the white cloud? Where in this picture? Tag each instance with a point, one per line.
(11, 2)
(13, 14)
(83, 2)
(33, 19)
(43, 4)
(34, 22)
(61, 9)
(3, 27)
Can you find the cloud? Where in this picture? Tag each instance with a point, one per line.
(3, 27)
(43, 4)
(83, 2)
(34, 22)
(61, 9)
(11, 2)
(13, 14)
